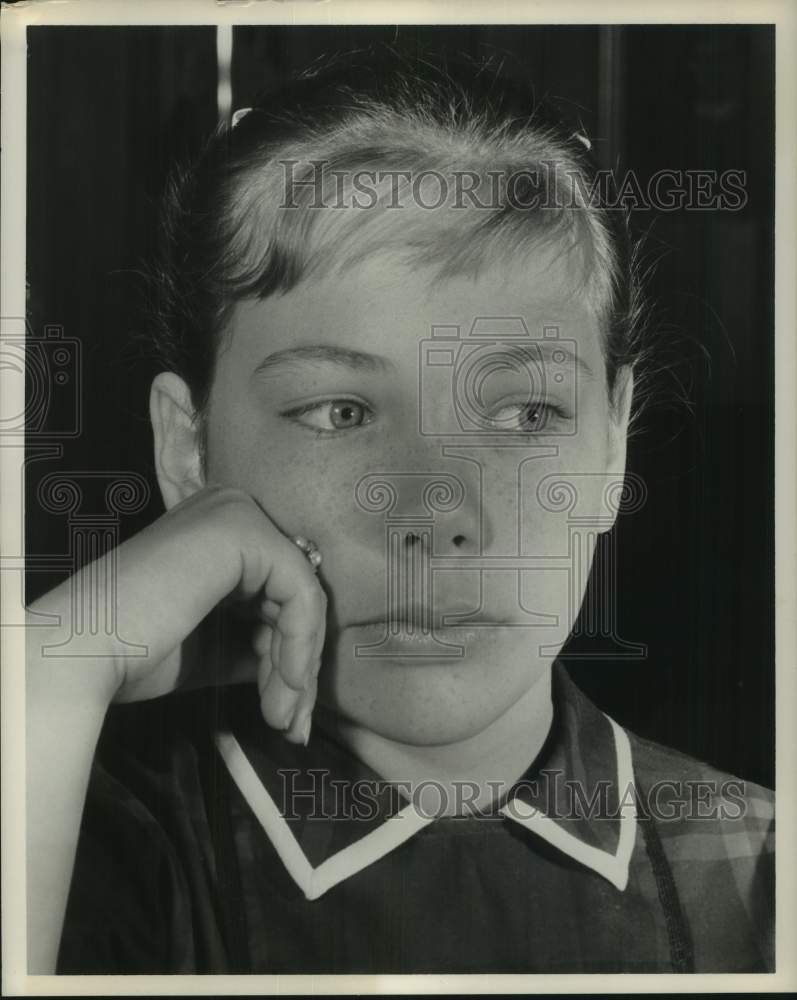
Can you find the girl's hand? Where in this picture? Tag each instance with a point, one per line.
(217, 552)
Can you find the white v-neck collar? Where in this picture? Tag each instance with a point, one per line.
(397, 829)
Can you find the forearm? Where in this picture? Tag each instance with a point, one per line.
(67, 697)
(66, 701)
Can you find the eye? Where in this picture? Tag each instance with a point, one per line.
(347, 413)
(332, 415)
(529, 417)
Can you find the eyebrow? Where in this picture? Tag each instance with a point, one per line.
(362, 361)
(320, 354)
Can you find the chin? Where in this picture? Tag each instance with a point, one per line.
(428, 700)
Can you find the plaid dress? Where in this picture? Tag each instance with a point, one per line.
(210, 845)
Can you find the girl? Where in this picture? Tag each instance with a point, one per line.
(398, 337)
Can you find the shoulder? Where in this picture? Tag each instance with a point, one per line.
(678, 788)
(716, 832)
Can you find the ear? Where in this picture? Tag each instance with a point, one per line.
(619, 418)
(178, 450)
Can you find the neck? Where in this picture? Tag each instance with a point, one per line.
(461, 777)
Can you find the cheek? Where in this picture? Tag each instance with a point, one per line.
(307, 490)
(556, 493)
(564, 508)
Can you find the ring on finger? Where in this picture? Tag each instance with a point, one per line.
(310, 550)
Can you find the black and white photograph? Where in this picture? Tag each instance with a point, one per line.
(390, 537)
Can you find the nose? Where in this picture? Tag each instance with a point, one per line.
(458, 541)
(432, 497)
(460, 526)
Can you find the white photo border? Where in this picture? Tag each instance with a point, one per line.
(15, 21)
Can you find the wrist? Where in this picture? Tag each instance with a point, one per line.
(68, 679)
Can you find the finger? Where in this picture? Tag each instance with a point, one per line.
(276, 647)
(263, 640)
(269, 611)
(301, 619)
(278, 701)
(265, 668)
(253, 610)
(299, 730)
(300, 726)
(318, 651)
(297, 660)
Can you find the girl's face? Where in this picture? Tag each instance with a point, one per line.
(340, 379)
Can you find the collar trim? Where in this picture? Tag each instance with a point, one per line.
(314, 882)
(613, 867)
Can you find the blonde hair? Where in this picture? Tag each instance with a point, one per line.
(282, 196)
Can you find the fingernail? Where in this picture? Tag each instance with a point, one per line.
(308, 722)
(290, 718)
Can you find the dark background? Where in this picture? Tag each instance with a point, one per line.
(109, 108)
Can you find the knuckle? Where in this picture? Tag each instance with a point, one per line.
(230, 498)
(315, 598)
(225, 504)
(219, 493)
(235, 511)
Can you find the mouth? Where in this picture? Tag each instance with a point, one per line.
(417, 629)
(425, 619)
(405, 640)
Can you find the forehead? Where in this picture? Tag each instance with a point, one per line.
(383, 306)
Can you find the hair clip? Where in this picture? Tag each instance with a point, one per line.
(238, 115)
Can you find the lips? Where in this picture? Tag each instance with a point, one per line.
(419, 619)
(449, 644)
